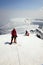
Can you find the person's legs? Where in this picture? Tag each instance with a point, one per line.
(14, 39)
(11, 39)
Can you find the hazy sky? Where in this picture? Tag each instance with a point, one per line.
(20, 8)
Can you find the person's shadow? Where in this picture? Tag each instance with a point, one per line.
(8, 43)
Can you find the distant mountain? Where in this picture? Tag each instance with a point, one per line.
(39, 19)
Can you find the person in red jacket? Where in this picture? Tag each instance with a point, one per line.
(13, 35)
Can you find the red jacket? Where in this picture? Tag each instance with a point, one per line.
(13, 32)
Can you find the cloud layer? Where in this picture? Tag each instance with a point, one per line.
(6, 15)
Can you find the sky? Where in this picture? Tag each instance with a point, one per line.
(10, 9)
(21, 4)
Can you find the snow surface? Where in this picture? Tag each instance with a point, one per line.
(27, 51)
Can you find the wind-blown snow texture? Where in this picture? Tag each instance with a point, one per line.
(27, 51)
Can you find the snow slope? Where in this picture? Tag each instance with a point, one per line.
(27, 51)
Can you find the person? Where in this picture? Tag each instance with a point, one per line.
(13, 35)
(26, 33)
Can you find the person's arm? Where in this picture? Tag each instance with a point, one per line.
(16, 33)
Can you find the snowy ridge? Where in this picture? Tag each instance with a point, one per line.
(27, 51)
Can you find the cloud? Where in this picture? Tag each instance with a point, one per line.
(6, 15)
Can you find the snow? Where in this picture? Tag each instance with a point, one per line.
(27, 51)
